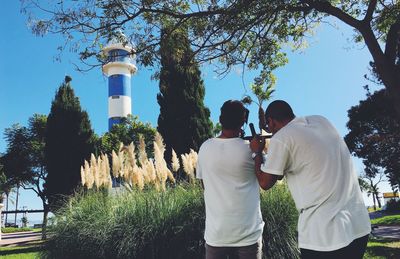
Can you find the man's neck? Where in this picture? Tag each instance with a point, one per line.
(227, 133)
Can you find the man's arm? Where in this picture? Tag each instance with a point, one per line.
(265, 180)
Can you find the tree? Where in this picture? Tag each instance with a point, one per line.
(184, 120)
(26, 147)
(231, 32)
(69, 141)
(126, 132)
(37, 129)
(369, 182)
(262, 94)
(5, 187)
(374, 134)
(16, 159)
(217, 129)
(3, 183)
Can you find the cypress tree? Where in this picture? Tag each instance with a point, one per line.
(184, 120)
(69, 140)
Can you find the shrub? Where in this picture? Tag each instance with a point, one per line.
(393, 205)
(280, 217)
(137, 224)
(153, 224)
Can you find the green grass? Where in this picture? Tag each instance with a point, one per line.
(387, 220)
(371, 209)
(382, 249)
(13, 230)
(22, 252)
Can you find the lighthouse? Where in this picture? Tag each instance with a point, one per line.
(119, 67)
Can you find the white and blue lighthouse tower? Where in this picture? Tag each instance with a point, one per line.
(119, 67)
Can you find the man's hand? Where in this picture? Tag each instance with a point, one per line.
(257, 144)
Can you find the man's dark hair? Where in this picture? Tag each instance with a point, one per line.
(279, 110)
(233, 114)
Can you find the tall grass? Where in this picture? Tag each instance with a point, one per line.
(154, 224)
(152, 220)
(280, 217)
(137, 224)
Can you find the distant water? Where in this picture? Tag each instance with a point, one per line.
(33, 218)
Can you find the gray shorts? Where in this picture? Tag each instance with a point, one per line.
(244, 252)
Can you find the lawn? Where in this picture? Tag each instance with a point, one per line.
(29, 251)
(371, 209)
(387, 220)
(13, 230)
(379, 248)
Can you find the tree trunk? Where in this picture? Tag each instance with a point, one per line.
(44, 223)
(373, 198)
(390, 75)
(388, 72)
(377, 198)
(16, 206)
(6, 208)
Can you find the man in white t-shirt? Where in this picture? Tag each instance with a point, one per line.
(234, 223)
(333, 220)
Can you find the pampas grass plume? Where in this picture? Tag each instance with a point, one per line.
(142, 150)
(115, 164)
(175, 161)
(83, 176)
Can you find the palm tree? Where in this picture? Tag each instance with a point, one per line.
(369, 184)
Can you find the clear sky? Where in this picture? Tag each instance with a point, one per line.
(326, 79)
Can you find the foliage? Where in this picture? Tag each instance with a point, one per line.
(393, 205)
(374, 135)
(152, 224)
(69, 141)
(16, 161)
(24, 160)
(127, 131)
(378, 248)
(230, 32)
(280, 217)
(3, 183)
(217, 129)
(24, 221)
(184, 120)
(138, 224)
(370, 180)
(262, 93)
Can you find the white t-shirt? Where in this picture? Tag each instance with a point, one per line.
(323, 182)
(231, 193)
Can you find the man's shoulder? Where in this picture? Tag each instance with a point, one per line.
(316, 117)
(209, 142)
(216, 142)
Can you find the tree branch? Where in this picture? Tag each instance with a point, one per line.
(370, 11)
(29, 188)
(326, 7)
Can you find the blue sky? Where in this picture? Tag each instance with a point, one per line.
(326, 78)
